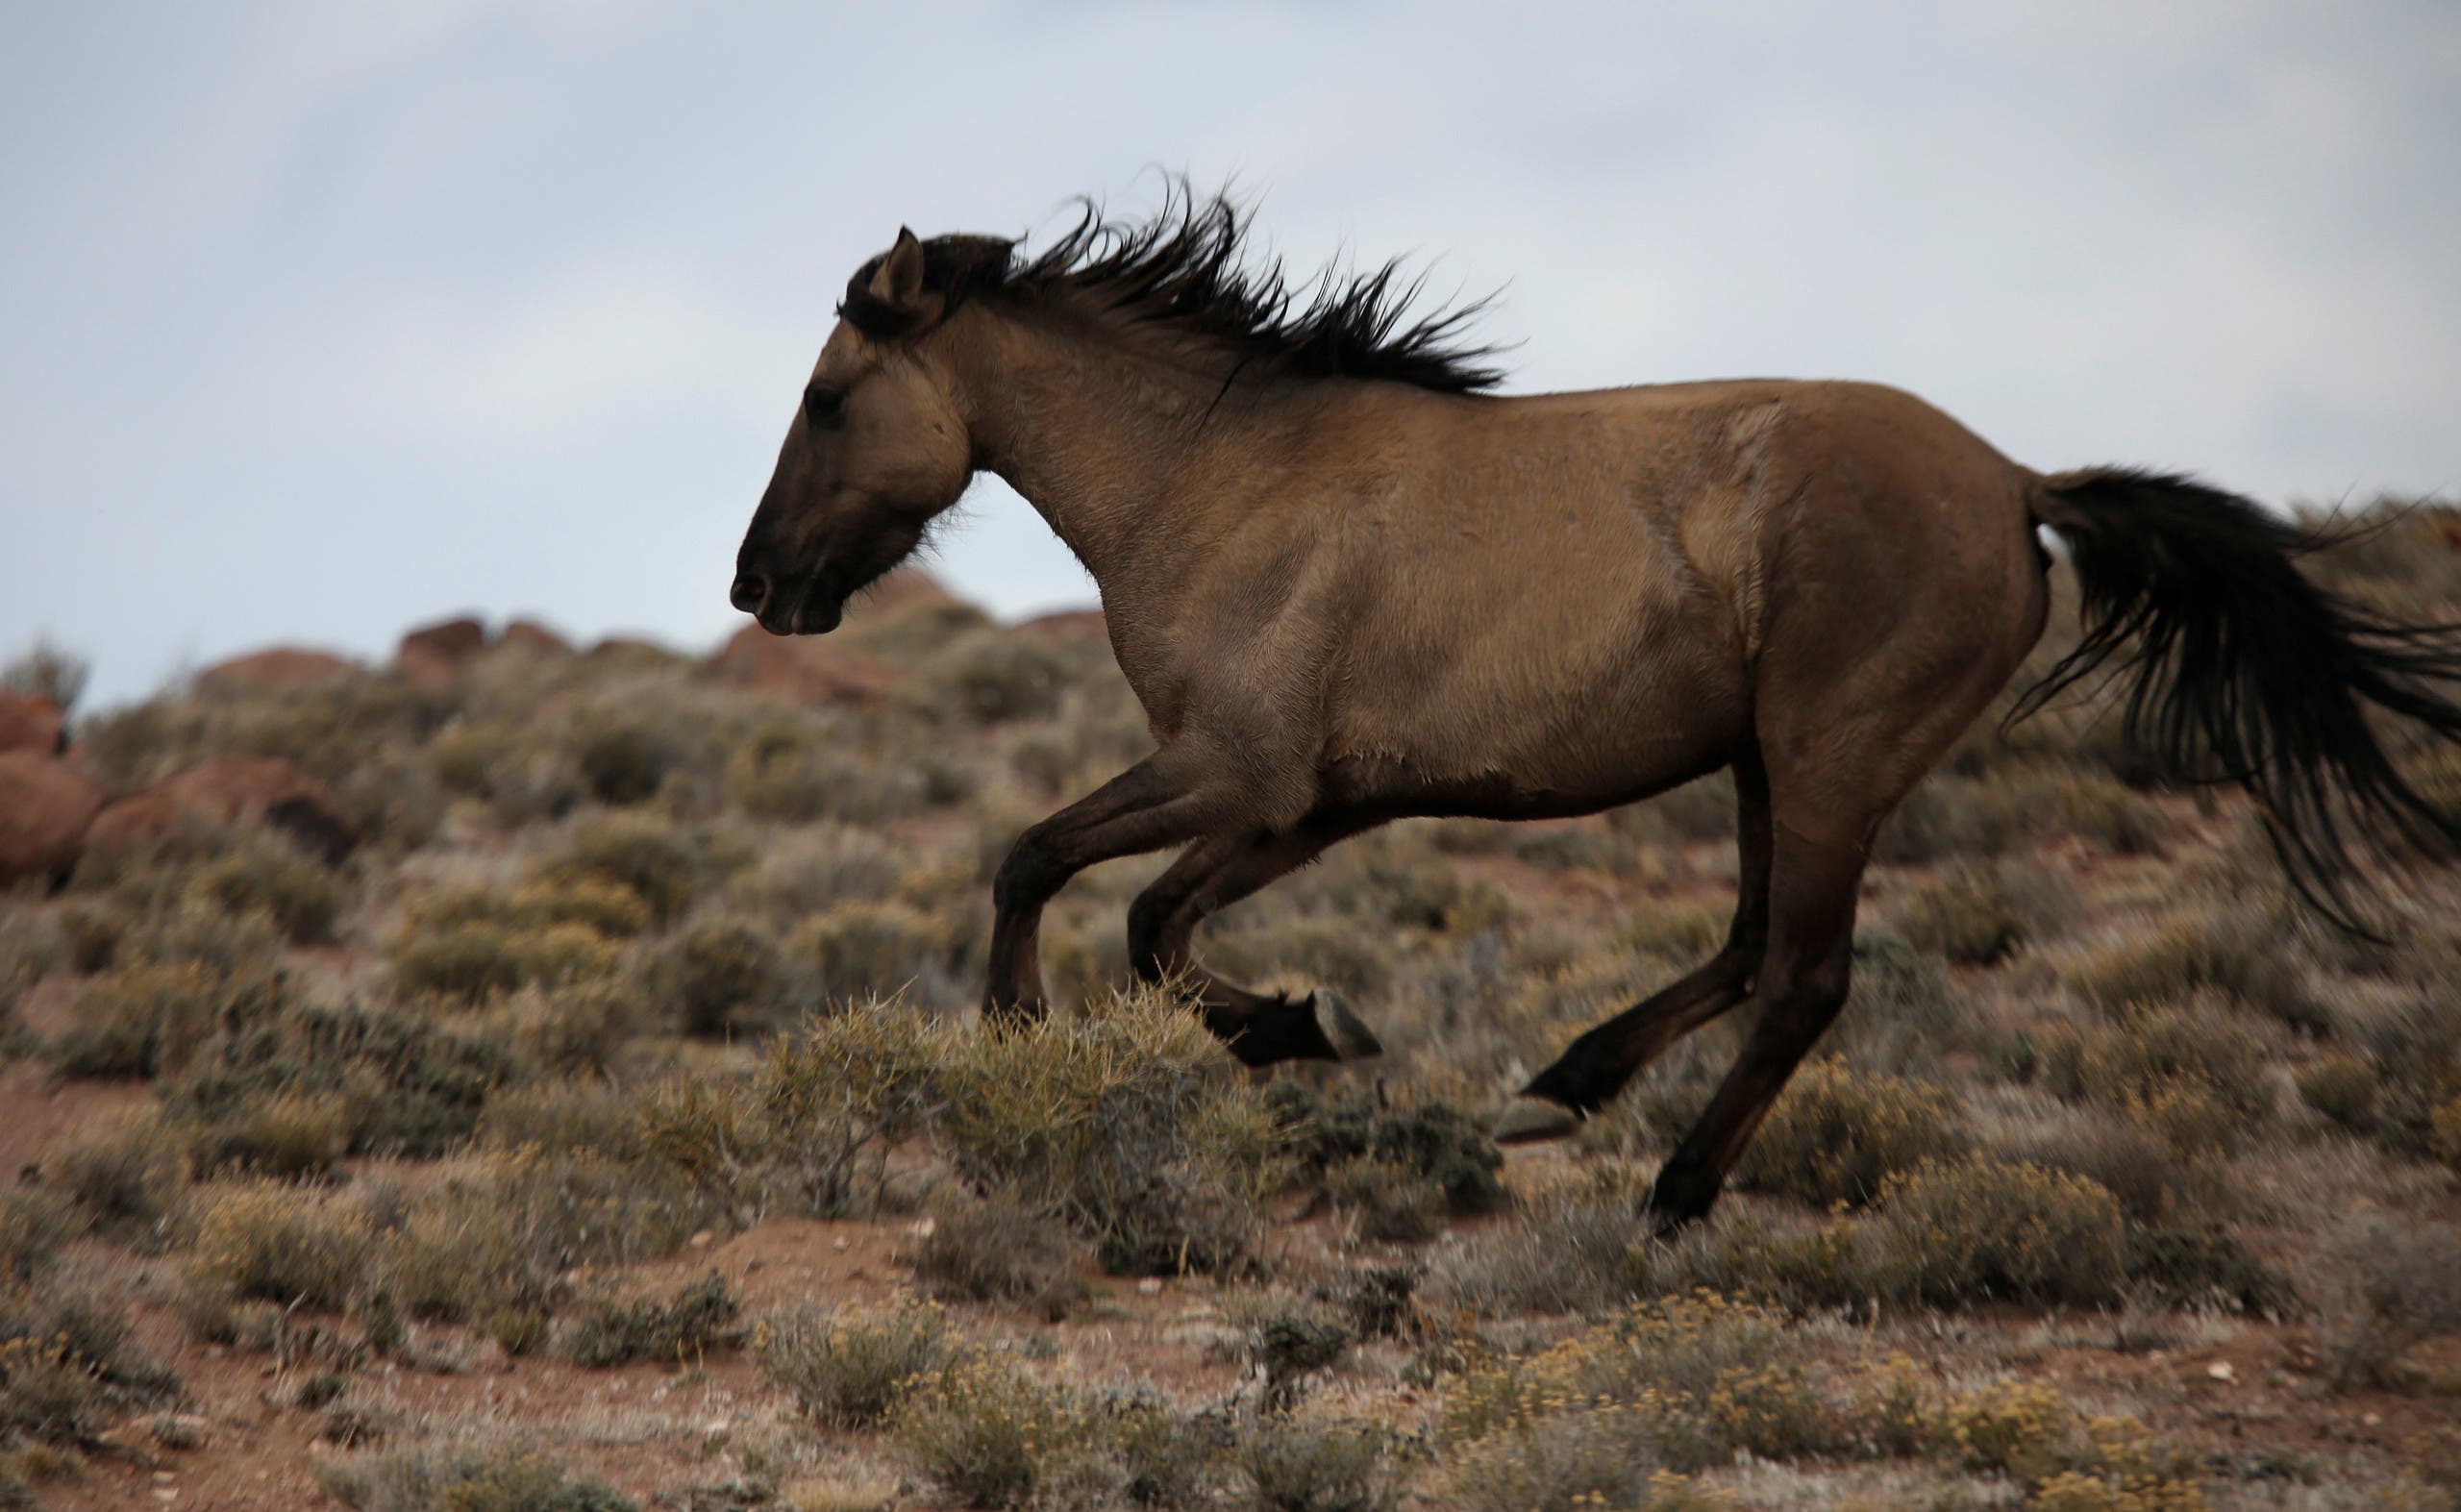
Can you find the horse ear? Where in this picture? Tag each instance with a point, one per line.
(899, 280)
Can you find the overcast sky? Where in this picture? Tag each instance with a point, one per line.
(317, 320)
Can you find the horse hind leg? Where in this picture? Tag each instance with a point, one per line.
(1594, 1067)
(1259, 1029)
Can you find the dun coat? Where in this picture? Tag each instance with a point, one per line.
(1350, 584)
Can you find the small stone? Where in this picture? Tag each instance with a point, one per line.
(717, 1431)
(841, 1244)
(164, 1477)
(927, 1227)
(2373, 1420)
(180, 1430)
(492, 1358)
(2222, 1371)
(1151, 1286)
(704, 1239)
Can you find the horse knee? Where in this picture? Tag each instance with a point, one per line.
(1028, 875)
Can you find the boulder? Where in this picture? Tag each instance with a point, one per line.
(432, 655)
(267, 790)
(532, 638)
(276, 669)
(31, 724)
(802, 669)
(45, 807)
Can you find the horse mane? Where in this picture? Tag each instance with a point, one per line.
(1187, 268)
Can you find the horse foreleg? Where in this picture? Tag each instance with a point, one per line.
(1169, 798)
(1214, 874)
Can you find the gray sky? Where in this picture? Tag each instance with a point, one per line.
(318, 319)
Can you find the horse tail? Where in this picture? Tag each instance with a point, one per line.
(2236, 668)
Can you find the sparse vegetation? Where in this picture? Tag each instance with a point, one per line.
(640, 1028)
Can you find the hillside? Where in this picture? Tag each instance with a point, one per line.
(524, 1077)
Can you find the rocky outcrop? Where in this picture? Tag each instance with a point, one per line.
(45, 808)
(268, 790)
(31, 724)
(802, 669)
(276, 669)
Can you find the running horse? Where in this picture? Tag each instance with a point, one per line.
(1350, 584)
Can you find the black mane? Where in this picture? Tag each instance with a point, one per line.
(1186, 267)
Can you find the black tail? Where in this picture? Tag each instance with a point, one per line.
(2237, 668)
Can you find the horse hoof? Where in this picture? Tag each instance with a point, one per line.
(1345, 1031)
(1534, 1121)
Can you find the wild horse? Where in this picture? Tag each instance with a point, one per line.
(1350, 584)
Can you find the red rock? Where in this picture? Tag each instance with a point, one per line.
(31, 724)
(45, 805)
(533, 638)
(902, 588)
(275, 669)
(802, 669)
(267, 790)
(1067, 625)
(432, 655)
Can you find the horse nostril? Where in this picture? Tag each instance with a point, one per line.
(751, 590)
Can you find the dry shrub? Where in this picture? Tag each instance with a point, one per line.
(861, 948)
(2194, 1074)
(398, 1085)
(67, 1370)
(2233, 952)
(1706, 1378)
(719, 977)
(992, 676)
(1800, 1266)
(1125, 1125)
(666, 864)
(848, 1368)
(1950, 816)
(614, 1329)
(464, 1479)
(2342, 1088)
(506, 1233)
(1419, 1144)
(2065, 1459)
(811, 871)
(995, 1436)
(1954, 1233)
(33, 946)
(291, 1246)
(996, 1250)
(841, 1093)
(126, 1179)
(2112, 817)
(2384, 1285)
(1568, 1250)
(34, 1224)
(146, 1021)
(1307, 1464)
(1837, 1134)
(1976, 915)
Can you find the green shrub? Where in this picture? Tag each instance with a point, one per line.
(622, 1330)
(1953, 1233)
(851, 1085)
(1974, 915)
(33, 1226)
(1287, 1340)
(1836, 1136)
(851, 1369)
(2343, 1089)
(623, 753)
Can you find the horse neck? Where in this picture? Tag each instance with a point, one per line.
(1116, 449)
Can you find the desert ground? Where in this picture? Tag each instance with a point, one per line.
(520, 1076)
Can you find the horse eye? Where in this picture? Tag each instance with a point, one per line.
(823, 404)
